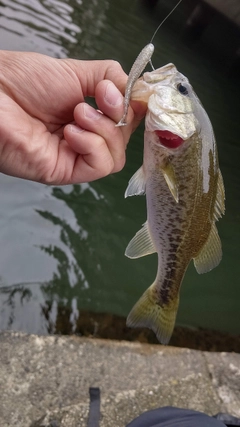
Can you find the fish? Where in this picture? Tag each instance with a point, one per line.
(185, 195)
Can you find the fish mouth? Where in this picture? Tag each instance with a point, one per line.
(169, 139)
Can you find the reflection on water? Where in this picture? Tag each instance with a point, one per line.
(27, 307)
(53, 27)
(41, 26)
(62, 248)
(85, 257)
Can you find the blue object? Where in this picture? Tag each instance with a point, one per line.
(175, 417)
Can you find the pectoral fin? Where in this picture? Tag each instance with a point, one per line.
(141, 244)
(137, 184)
(171, 180)
(211, 253)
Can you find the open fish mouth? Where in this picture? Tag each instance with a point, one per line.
(169, 139)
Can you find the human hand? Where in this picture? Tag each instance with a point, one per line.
(47, 132)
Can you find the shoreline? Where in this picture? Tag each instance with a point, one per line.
(113, 327)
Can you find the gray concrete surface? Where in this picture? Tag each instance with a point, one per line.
(44, 380)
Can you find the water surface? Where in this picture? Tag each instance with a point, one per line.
(64, 247)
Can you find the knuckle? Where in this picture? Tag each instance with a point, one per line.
(119, 164)
(108, 167)
(105, 160)
(115, 65)
(114, 71)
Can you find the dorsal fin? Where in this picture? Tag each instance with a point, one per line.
(219, 207)
(211, 253)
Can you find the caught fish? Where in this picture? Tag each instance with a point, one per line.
(184, 191)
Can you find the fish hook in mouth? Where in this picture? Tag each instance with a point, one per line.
(169, 139)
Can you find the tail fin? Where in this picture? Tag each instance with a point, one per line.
(148, 313)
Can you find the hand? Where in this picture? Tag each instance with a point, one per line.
(47, 132)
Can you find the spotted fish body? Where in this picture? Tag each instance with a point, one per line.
(184, 192)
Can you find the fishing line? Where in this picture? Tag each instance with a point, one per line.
(159, 26)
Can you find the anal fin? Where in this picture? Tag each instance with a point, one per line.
(141, 244)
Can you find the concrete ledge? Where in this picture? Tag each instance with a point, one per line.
(44, 380)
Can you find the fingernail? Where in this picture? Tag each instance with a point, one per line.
(113, 96)
(91, 113)
(75, 129)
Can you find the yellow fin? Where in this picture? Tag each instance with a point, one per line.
(211, 253)
(141, 244)
(148, 313)
(171, 180)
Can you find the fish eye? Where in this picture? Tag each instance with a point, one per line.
(182, 89)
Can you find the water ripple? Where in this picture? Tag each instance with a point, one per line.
(43, 24)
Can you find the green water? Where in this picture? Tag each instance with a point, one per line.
(64, 247)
